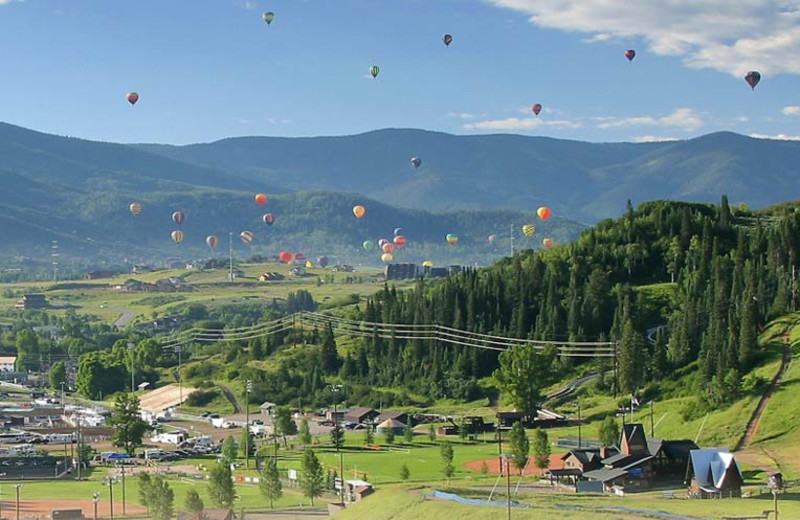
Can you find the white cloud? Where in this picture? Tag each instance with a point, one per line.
(791, 111)
(778, 137)
(731, 36)
(653, 139)
(517, 123)
(247, 4)
(683, 118)
(462, 115)
(6, 2)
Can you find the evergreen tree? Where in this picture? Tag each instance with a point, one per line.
(608, 431)
(432, 433)
(129, 428)
(631, 359)
(408, 434)
(162, 500)
(193, 503)
(405, 473)
(369, 435)
(389, 435)
(305, 433)
(520, 446)
(446, 451)
(220, 486)
(337, 436)
(230, 450)
(270, 482)
(541, 448)
(312, 479)
(330, 354)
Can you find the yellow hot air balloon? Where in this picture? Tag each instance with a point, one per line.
(309, 264)
(387, 257)
(359, 211)
(177, 236)
(547, 243)
(135, 208)
(528, 230)
(246, 236)
(427, 263)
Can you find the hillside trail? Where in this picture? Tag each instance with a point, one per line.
(755, 420)
(237, 408)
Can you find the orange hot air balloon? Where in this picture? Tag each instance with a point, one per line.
(135, 208)
(359, 211)
(177, 236)
(547, 243)
(132, 98)
(387, 257)
(388, 248)
(286, 257)
(400, 241)
(544, 212)
(261, 199)
(178, 217)
(211, 241)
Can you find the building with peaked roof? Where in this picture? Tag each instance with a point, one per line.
(715, 473)
(360, 415)
(403, 417)
(390, 424)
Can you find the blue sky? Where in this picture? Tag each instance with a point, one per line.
(209, 69)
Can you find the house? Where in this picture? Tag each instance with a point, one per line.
(268, 408)
(401, 271)
(335, 415)
(508, 419)
(714, 473)
(579, 461)
(396, 416)
(355, 490)
(8, 363)
(360, 415)
(32, 301)
(396, 427)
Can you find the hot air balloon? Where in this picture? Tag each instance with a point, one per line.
(246, 236)
(547, 243)
(368, 245)
(752, 78)
(268, 219)
(416, 162)
(630, 54)
(492, 238)
(211, 241)
(177, 236)
(427, 263)
(178, 217)
(451, 239)
(261, 199)
(382, 241)
(388, 248)
(374, 70)
(359, 211)
(268, 17)
(135, 208)
(300, 258)
(323, 261)
(398, 231)
(536, 109)
(447, 39)
(528, 230)
(309, 264)
(387, 257)
(544, 212)
(400, 241)
(132, 98)
(286, 257)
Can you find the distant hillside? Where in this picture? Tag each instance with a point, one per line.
(582, 181)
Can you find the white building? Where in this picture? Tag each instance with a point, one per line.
(8, 363)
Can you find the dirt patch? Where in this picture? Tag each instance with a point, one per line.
(42, 508)
(531, 470)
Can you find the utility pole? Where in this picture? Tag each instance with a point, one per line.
(580, 439)
(54, 256)
(179, 349)
(230, 256)
(247, 389)
(508, 486)
(16, 488)
(111, 496)
(131, 351)
(500, 445)
(336, 389)
(652, 425)
(95, 500)
(122, 471)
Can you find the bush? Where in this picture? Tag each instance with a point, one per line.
(752, 382)
(201, 398)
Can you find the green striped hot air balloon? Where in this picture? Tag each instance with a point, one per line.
(374, 70)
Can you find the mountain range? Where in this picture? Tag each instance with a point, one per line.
(77, 191)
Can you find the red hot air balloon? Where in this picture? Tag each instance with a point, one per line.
(132, 98)
(544, 212)
(261, 199)
(178, 217)
(211, 240)
(400, 241)
(286, 257)
(269, 219)
(177, 236)
(752, 78)
(630, 54)
(536, 109)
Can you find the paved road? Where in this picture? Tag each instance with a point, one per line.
(126, 316)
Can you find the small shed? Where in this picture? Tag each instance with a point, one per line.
(268, 408)
(391, 424)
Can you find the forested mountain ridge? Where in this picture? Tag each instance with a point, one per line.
(580, 180)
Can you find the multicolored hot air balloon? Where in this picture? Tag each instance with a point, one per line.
(261, 199)
(268, 219)
(286, 257)
(323, 261)
(388, 248)
(400, 241)
(528, 230)
(630, 54)
(359, 211)
(536, 108)
(246, 236)
(368, 245)
(382, 242)
(752, 78)
(135, 208)
(178, 217)
(211, 241)
(387, 257)
(416, 162)
(447, 39)
(451, 239)
(544, 212)
(177, 236)
(132, 98)
(547, 243)
(268, 17)
(427, 263)
(374, 70)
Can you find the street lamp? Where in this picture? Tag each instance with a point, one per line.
(580, 439)
(507, 460)
(247, 389)
(336, 389)
(16, 488)
(110, 481)
(95, 500)
(131, 346)
(63, 402)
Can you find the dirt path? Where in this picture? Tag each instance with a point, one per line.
(126, 316)
(752, 425)
(237, 408)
